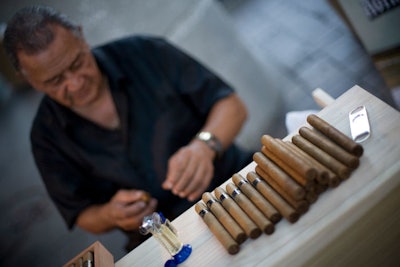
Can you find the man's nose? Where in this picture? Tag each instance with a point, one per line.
(74, 82)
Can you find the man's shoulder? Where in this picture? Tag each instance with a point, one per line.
(133, 41)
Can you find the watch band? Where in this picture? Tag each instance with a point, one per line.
(212, 141)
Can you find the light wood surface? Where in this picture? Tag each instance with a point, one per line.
(346, 225)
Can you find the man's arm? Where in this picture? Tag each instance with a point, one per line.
(191, 169)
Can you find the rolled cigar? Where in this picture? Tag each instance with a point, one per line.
(330, 162)
(255, 214)
(335, 135)
(217, 229)
(256, 198)
(224, 218)
(249, 227)
(271, 195)
(300, 205)
(300, 179)
(291, 187)
(282, 153)
(146, 197)
(323, 172)
(325, 144)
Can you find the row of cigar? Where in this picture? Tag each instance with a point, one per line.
(288, 178)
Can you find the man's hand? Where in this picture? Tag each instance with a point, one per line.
(190, 170)
(125, 210)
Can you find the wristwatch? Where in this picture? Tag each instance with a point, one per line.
(212, 141)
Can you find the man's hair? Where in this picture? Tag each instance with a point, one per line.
(30, 30)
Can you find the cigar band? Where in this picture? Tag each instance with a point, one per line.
(235, 193)
(203, 212)
(256, 181)
(223, 197)
(210, 202)
(242, 182)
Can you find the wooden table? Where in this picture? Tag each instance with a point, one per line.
(355, 224)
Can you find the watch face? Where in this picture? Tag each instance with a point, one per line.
(205, 136)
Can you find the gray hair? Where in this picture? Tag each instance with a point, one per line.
(30, 30)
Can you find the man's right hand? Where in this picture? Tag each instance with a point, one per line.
(125, 210)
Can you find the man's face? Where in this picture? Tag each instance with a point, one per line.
(66, 71)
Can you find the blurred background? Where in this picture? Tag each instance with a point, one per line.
(275, 53)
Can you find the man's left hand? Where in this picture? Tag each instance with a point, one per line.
(190, 170)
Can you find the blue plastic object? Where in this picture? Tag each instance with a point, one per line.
(180, 257)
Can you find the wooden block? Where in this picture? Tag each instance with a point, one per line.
(101, 257)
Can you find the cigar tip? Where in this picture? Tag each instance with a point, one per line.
(233, 249)
(293, 217)
(275, 218)
(241, 237)
(269, 229)
(230, 188)
(255, 233)
(206, 196)
(199, 207)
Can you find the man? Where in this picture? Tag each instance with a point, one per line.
(129, 119)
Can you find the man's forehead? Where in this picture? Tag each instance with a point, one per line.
(65, 47)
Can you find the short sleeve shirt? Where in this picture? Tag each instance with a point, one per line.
(163, 97)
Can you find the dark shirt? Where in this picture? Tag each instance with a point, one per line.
(162, 97)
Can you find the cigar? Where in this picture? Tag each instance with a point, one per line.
(217, 229)
(224, 218)
(88, 259)
(272, 196)
(283, 154)
(257, 199)
(330, 162)
(335, 135)
(300, 179)
(325, 144)
(249, 227)
(300, 205)
(282, 179)
(255, 214)
(325, 176)
(146, 197)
